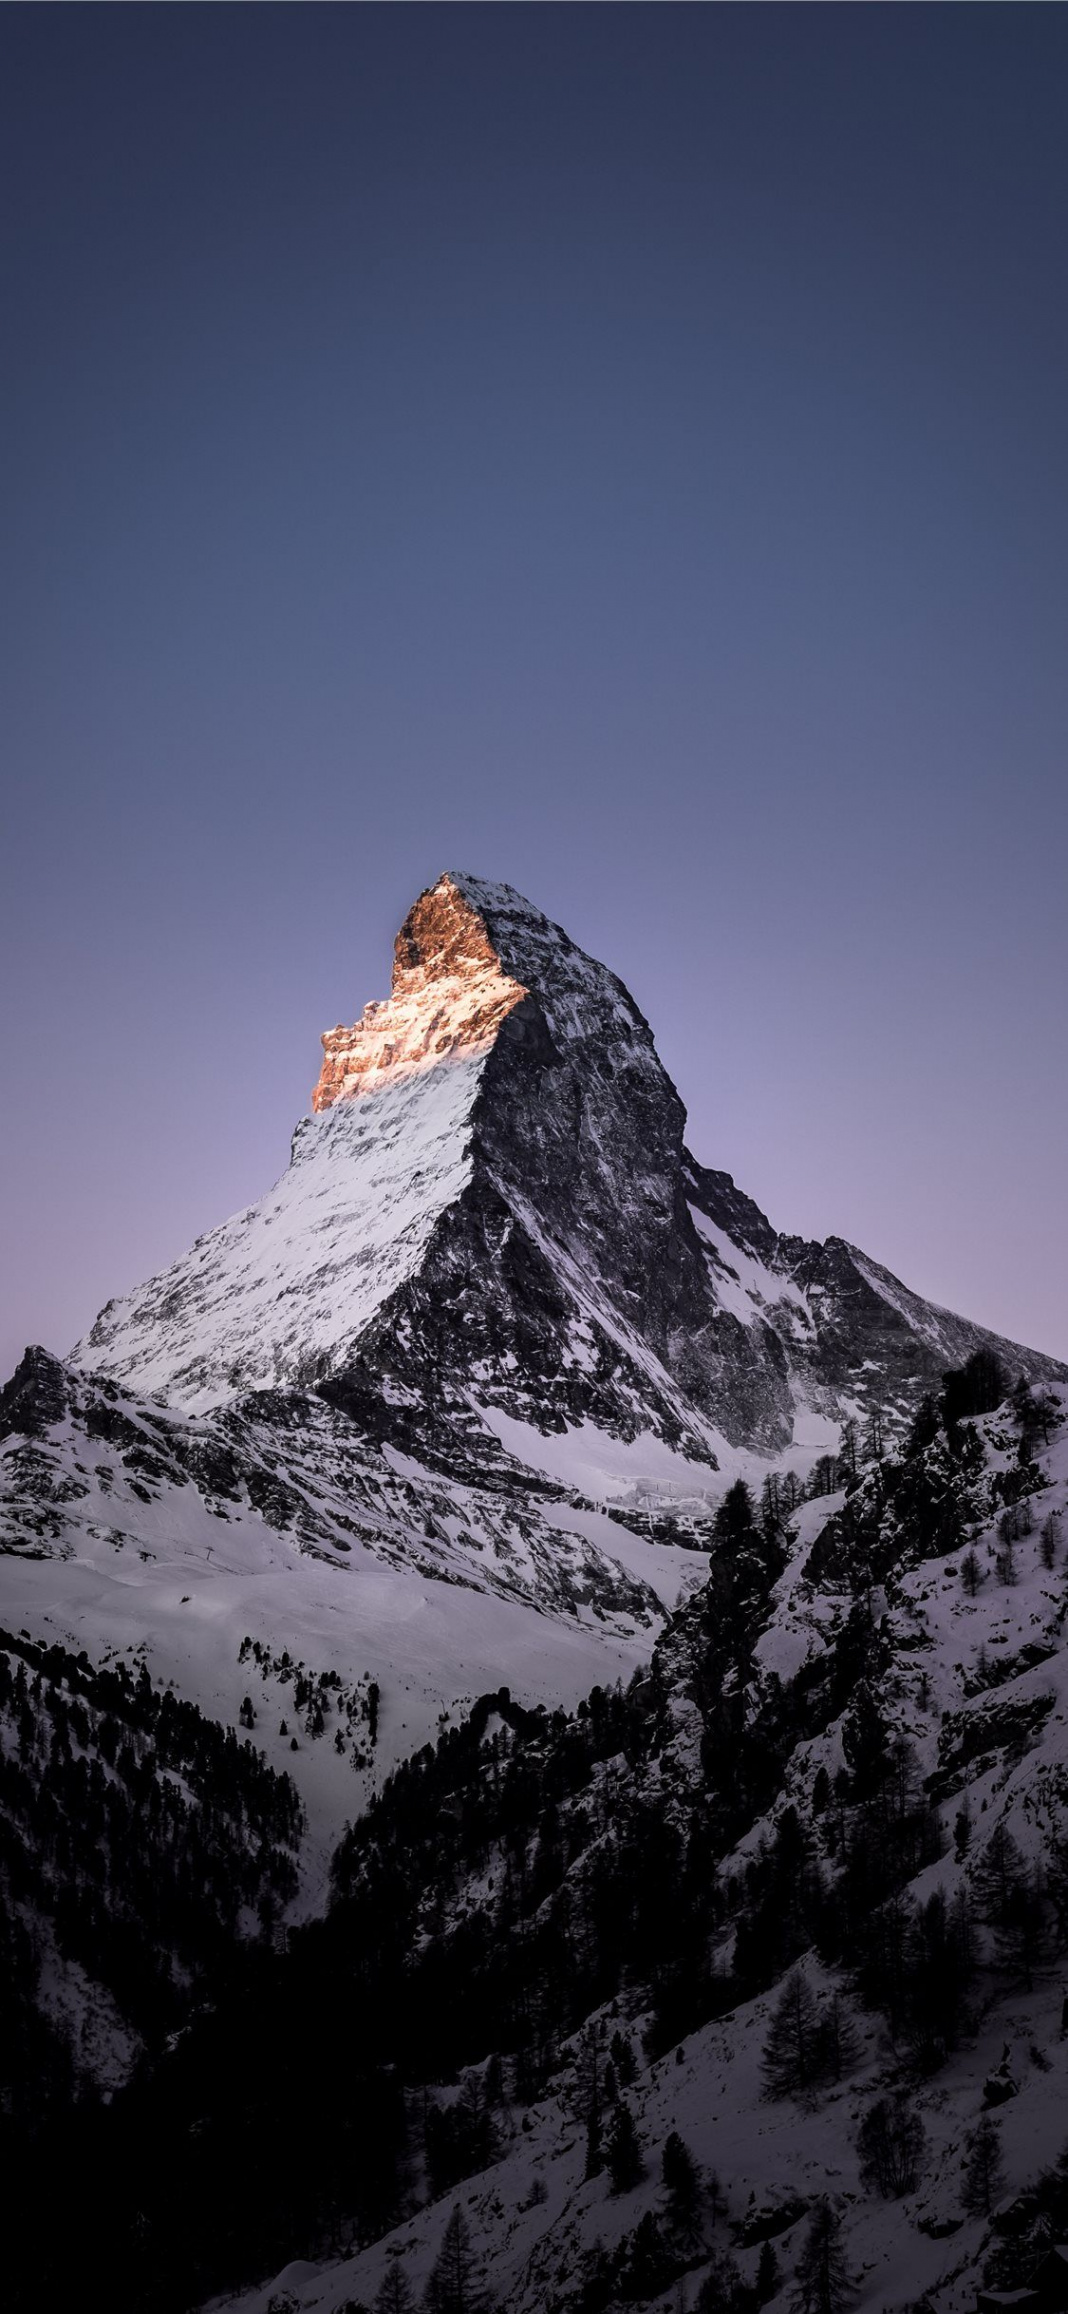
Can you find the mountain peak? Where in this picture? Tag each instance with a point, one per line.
(450, 993)
(467, 954)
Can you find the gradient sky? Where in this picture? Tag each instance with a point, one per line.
(623, 451)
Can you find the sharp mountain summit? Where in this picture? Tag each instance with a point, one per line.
(533, 1759)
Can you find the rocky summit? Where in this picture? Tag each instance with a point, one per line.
(533, 1772)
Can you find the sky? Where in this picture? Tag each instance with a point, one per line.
(617, 451)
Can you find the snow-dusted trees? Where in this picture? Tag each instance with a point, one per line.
(982, 2176)
(1005, 1562)
(723, 2290)
(791, 2062)
(768, 2274)
(621, 2052)
(867, 1744)
(622, 2151)
(836, 2039)
(890, 2147)
(849, 1451)
(808, 2041)
(1036, 1412)
(589, 2094)
(453, 2285)
(971, 1573)
(459, 2138)
(825, 1476)
(683, 2193)
(825, 2284)
(1011, 1898)
(394, 2295)
(734, 1520)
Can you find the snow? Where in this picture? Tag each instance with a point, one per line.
(432, 1646)
(710, 2089)
(643, 1470)
(434, 1588)
(745, 1285)
(773, 2150)
(281, 1287)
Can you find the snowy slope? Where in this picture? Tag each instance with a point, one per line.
(171, 1537)
(282, 1291)
(977, 1681)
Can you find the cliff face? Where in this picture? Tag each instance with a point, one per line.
(491, 1205)
(449, 997)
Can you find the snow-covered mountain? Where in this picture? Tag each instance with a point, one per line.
(463, 1390)
(492, 1201)
(499, 1394)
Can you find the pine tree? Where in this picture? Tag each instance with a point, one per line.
(790, 2063)
(768, 2274)
(682, 2191)
(1022, 1932)
(394, 2292)
(849, 1448)
(971, 1573)
(452, 2288)
(837, 2044)
(824, 2282)
(735, 1520)
(622, 2056)
(1005, 1562)
(623, 2152)
(649, 2264)
(983, 2178)
(590, 2094)
(998, 1876)
(866, 1743)
(770, 1507)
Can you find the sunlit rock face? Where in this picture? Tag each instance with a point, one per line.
(491, 1209)
(569, 1282)
(449, 997)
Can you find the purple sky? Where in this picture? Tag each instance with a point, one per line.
(620, 451)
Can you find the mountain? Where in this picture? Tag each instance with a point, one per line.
(496, 1598)
(465, 1388)
(767, 1948)
(492, 1200)
(799, 1898)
